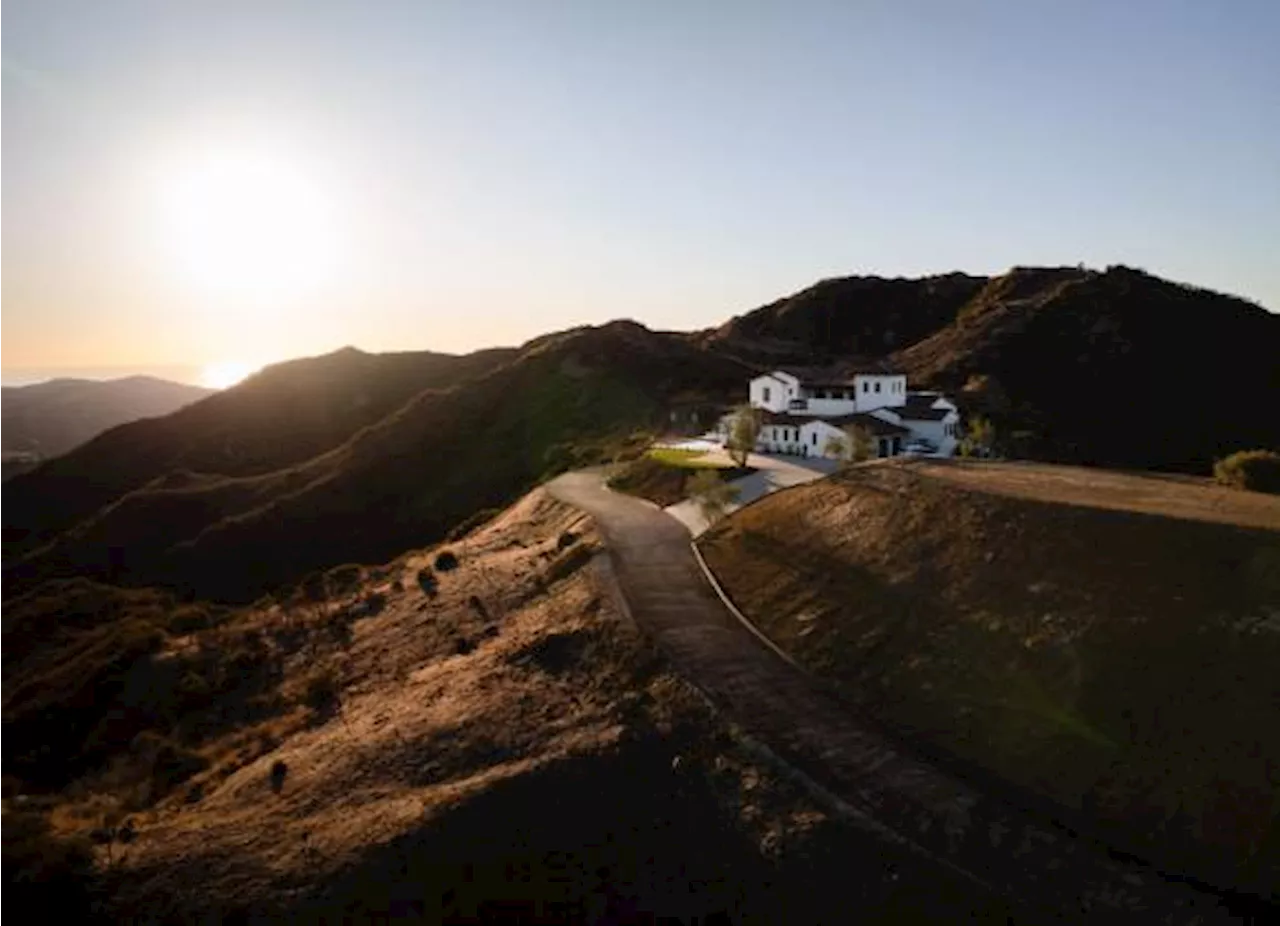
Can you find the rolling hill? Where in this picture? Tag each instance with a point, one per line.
(400, 482)
(1112, 369)
(355, 456)
(285, 414)
(48, 419)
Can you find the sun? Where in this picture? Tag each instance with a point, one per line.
(227, 373)
(249, 227)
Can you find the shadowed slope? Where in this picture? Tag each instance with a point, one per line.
(400, 483)
(283, 415)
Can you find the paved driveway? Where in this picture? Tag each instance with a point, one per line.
(930, 816)
(773, 473)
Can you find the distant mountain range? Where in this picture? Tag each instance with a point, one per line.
(356, 457)
(47, 419)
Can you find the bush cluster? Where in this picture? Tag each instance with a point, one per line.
(1257, 470)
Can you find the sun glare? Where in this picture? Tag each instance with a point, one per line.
(224, 374)
(249, 227)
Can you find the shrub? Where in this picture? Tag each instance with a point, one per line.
(446, 560)
(343, 579)
(1257, 470)
(322, 692)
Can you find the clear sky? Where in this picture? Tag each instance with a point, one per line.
(200, 183)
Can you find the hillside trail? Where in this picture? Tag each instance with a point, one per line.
(861, 773)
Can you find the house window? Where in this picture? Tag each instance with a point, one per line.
(813, 438)
(877, 385)
(866, 386)
(766, 393)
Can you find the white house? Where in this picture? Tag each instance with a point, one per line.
(802, 412)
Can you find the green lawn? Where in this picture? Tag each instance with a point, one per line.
(688, 459)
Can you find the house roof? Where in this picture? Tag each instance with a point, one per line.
(784, 419)
(920, 408)
(877, 426)
(839, 376)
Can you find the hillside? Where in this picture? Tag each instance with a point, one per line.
(285, 414)
(500, 747)
(48, 419)
(845, 317)
(1105, 643)
(1118, 368)
(397, 484)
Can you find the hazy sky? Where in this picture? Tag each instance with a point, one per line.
(195, 183)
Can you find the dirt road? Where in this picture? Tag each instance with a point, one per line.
(1026, 859)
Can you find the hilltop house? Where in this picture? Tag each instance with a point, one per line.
(801, 412)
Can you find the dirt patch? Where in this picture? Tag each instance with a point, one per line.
(1117, 663)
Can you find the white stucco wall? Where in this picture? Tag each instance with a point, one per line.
(780, 438)
(936, 433)
(815, 434)
(781, 388)
(893, 390)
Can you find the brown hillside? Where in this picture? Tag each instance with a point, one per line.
(51, 418)
(1118, 368)
(502, 748)
(1116, 660)
(404, 481)
(286, 414)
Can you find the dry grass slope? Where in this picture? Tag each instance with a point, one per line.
(496, 744)
(1104, 641)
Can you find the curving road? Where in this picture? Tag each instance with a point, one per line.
(1030, 861)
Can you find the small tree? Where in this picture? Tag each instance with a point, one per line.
(713, 495)
(979, 438)
(862, 443)
(744, 430)
(836, 448)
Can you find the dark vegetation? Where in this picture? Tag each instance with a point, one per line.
(51, 418)
(666, 483)
(1118, 665)
(1256, 470)
(845, 317)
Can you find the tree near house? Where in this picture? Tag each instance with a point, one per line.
(743, 433)
(836, 448)
(979, 438)
(713, 495)
(862, 443)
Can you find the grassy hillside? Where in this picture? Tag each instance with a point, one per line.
(1119, 663)
(1116, 369)
(284, 415)
(50, 418)
(491, 743)
(402, 482)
